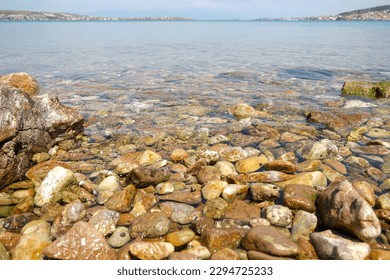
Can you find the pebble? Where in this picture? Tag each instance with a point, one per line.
(178, 155)
(200, 252)
(331, 246)
(355, 215)
(383, 201)
(104, 221)
(233, 154)
(31, 246)
(82, 242)
(250, 164)
(268, 240)
(122, 200)
(187, 196)
(309, 166)
(378, 133)
(4, 255)
(300, 197)
(256, 255)
(180, 238)
(263, 191)
(148, 158)
(150, 225)
(225, 254)
(207, 174)
(52, 186)
(73, 212)
(151, 250)
(165, 188)
(242, 211)
(245, 111)
(306, 249)
(278, 215)
(20, 195)
(181, 213)
(304, 224)
(213, 189)
(313, 179)
(375, 174)
(365, 191)
(106, 188)
(119, 237)
(220, 238)
(180, 256)
(226, 168)
(282, 166)
(215, 208)
(148, 175)
(5, 199)
(378, 254)
(143, 202)
(234, 191)
(320, 150)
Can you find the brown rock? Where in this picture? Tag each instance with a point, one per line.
(250, 164)
(38, 172)
(179, 155)
(341, 206)
(81, 242)
(225, 254)
(180, 256)
(220, 238)
(313, 179)
(208, 173)
(146, 176)
(186, 196)
(306, 250)
(262, 191)
(281, 165)
(215, 208)
(180, 238)
(336, 165)
(121, 201)
(16, 222)
(335, 119)
(263, 177)
(143, 202)
(240, 210)
(268, 240)
(150, 225)
(151, 250)
(10, 240)
(300, 197)
(378, 254)
(21, 81)
(30, 246)
(125, 219)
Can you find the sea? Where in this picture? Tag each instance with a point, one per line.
(151, 76)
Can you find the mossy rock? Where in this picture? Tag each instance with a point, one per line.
(367, 89)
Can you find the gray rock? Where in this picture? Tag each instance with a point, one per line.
(149, 175)
(304, 224)
(331, 246)
(119, 237)
(28, 126)
(341, 206)
(278, 215)
(181, 213)
(320, 150)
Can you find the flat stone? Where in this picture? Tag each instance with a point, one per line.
(149, 175)
(313, 179)
(6, 199)
(143, 202)
(151, 250)
(235, 191)
(165, 188)
(240, 210)
(207, 174)
(262, 177)
(186, 196)
(21, 81)
(148, 158)
(281, 165)
(300, 197)
(226, 168)
(81, 242)
(263, 191)
(150, 225)
(367, 89)
(245, 111)
(309, 166)
(56, 181)
(341, 206)
(268, 240)
(178, 155)
(331, 246)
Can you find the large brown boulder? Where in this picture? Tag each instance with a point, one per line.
(29, 125)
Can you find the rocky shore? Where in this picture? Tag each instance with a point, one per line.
(314, 185)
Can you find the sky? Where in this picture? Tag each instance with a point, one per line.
(197, 9)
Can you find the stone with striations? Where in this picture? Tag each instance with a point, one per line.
(82, 242)
(180, 238)
(313, 179)
(341, 206)
(142, 202)
(281, 165)
(332, 246)
(151, 250)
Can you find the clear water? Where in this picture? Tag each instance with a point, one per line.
(133, 70)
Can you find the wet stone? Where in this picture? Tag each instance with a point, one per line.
(220, 238)
(213, 189)
(30, 246)
(150, 225)
(320, 150)
(262, 191)
(207, 174)
(309, 166)
(375, 174)
(383, 201)
(306, 249)
(313, 179)
(148, 158)
(234, 191)
(177, 256)
(5, 199)
(200, 252)
(365, 191)
(215, 208)
(378, 254)
(331, 246)
(226, 168)
(145, 176)
(151, 250)
(250, 164)
(107, 188)
(300, 197)
(281, 165)
(4, 255)
(278, 215)
(186, 196)
(17, 222)
(121, 200)
(104, 221)
(119, 237)
(178, 155)
(268, 240)
(143, 202)
(256, 255)
(304, 224)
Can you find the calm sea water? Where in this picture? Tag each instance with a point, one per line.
(127, 68)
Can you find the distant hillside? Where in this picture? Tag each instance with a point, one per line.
(385, 8)
(6, 15)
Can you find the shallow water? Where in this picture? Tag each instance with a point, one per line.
(163, 75)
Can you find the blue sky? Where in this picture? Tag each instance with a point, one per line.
(198, 9)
